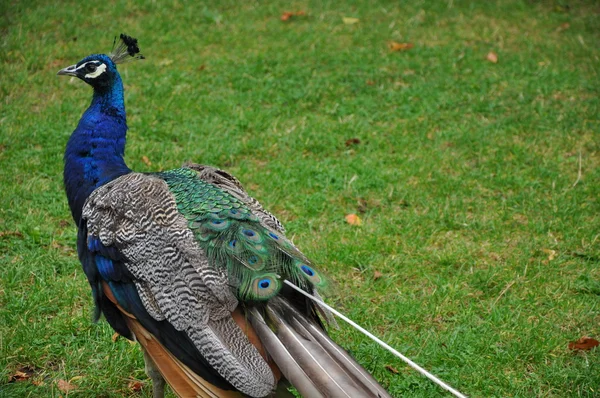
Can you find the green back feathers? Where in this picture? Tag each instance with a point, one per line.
(255, 257)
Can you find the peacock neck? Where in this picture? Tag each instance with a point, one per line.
(94, 154)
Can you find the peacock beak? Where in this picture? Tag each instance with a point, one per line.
(69, 71)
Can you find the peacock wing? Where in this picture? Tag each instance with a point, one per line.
(145, 251)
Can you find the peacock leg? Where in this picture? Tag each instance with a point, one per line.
(158, 383)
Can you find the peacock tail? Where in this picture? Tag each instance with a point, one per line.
(255, 257)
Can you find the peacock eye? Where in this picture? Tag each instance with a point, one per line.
(91, 68)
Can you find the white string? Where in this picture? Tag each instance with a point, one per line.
(381, 343)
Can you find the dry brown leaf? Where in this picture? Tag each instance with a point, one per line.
(353, 219)
(352, 141)
(350, 20)
(286, 16)
(584, 343)
(377, 275)
(146, 160)
(492, 57)
(65, 386)
(551, 254)
(21, 374)
(115, 337)
(135, 386)
(11, 233)
(395, 46)
(563, 27)
(392, 369)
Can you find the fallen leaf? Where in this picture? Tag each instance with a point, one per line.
(551, 254)
(286, 16)
(146, 160)
(353, 219)
(350, 20)
(395, 46)
(392, 369)
(584, 343)
(352, 141)
(21, 374)
(377, 275)
(11, 233)
(115, 337)
(563, 27)
(65, 386)
(370, 83)
(135, 386)
(492, 57)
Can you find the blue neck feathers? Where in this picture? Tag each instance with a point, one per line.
(94, 154)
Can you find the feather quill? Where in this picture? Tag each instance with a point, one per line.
(412, 364)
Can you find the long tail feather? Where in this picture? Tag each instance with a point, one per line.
(308, 358)
(337, 353)
(285, 361)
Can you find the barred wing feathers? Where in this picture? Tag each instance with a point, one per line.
(137, 215)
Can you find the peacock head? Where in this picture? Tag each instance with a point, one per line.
(100, 70)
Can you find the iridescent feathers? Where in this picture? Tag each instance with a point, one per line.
(255, 257)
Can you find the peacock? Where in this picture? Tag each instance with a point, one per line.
(188, 264)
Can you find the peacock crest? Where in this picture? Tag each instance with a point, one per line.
(126, 50)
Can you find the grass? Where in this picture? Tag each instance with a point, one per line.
(477, 183)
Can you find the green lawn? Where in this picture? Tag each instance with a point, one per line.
(478, 183)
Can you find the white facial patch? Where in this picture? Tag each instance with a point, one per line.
(100, 70)
(82, 66)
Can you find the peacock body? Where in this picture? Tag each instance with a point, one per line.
(191, 266)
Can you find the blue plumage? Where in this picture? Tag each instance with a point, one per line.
(94, 153)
